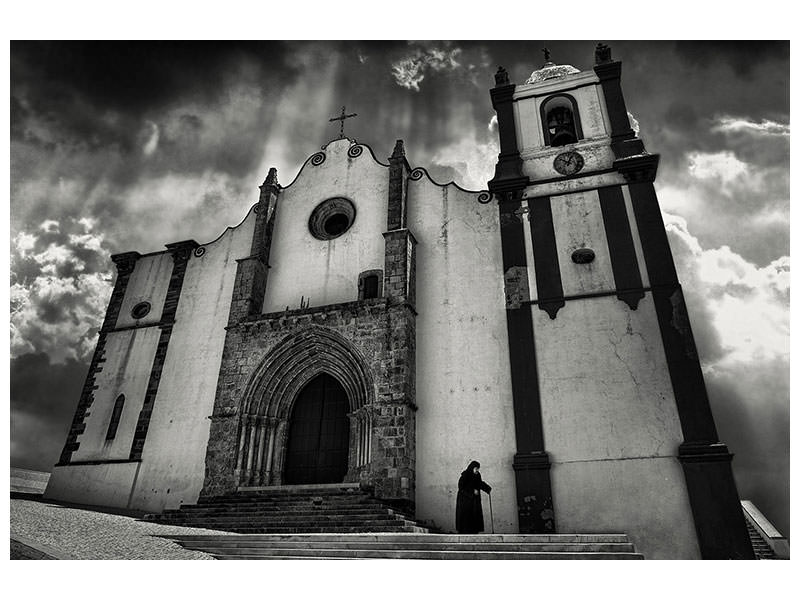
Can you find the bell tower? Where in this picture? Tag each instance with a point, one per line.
(613, 426)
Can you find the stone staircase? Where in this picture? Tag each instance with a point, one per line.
(338, 521)
(329, 508)
(412, 546)
(761, 548)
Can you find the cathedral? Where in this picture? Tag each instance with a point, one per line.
(369, 325)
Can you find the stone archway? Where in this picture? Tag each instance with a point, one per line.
(273, 390)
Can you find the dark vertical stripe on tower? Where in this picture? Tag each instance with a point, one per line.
(531, 463)
(718, 518)
(545, 256)
(627, 278)
(697, 421)
(180, 255)
(623, 140)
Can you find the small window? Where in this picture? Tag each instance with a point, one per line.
(115, 416)
(371, 287)
(141, 310)
(560, 121)
(369, 284)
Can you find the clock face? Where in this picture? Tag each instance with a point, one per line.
(568, 163)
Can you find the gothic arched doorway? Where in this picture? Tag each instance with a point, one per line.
(319, 434)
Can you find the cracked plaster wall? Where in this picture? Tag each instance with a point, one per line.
(611, 425)
(463, 377)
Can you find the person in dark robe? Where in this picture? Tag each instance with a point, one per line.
(469, 514)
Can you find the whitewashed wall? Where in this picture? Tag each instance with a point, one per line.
(173, 461)
(327, 271)
(463, 376)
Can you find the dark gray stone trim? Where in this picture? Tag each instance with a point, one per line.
(531, 463)
(623, 139)
(718, 519)
(545, 256)
(581, 175)
(104, 462)
(636, 291)
(398, 181)
(508, 171)
(125, 264)
(181, 251)
(624, 265)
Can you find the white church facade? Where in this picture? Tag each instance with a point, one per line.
(367, 324)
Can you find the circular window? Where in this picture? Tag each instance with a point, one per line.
(140, 310)
(332, 218)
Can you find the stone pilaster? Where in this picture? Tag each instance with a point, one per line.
(508, 171)
(392, 435)
(531, 462)
(180, 251)
(251, 272)
(718, 519)
(623, 139)
(398, 181)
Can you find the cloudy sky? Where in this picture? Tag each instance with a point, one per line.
(118, 147)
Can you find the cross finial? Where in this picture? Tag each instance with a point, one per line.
(342, 118)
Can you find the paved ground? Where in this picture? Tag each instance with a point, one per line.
(76, 533)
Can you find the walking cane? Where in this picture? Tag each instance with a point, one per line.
(491, 514)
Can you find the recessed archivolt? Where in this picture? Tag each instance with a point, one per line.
(295, 361)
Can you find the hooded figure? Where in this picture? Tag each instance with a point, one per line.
(469, 514)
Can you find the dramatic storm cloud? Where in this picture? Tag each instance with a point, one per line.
(128, 146)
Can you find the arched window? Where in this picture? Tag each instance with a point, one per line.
(560, 120)
(115, 416)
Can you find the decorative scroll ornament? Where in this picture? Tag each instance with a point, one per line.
(485, 197)
(199, 251)
(416, 174)
(355, 151)
(318, 159)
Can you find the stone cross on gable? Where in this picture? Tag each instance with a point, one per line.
(342, 118)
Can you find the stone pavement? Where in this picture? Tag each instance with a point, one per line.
(77, 533)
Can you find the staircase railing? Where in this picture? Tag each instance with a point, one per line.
(765, 529)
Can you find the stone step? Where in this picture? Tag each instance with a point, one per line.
(284, 507)
(413, 546)
(298, 515)
(277, 508)
(428, 555)
(300, 530)
(429, 538)
(277, 524)
(301, 527)
(289, 518)
(328, 488)
(233, 546)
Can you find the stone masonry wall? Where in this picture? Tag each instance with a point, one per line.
(382, 338)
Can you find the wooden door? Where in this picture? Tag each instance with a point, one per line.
(319, 434)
